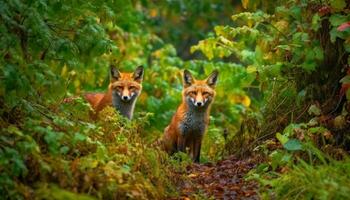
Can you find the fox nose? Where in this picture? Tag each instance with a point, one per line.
(125, 98)
(199, 104)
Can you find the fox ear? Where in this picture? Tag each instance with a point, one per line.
(138, 74)
(213, 78)
(188, 79)
(115, 74)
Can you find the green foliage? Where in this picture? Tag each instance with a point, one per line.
(305, 181)
(290, 48)
(273, 58)
(54, 192)
(302, 170)
(51, 50)
(267, 43)
(110, 156)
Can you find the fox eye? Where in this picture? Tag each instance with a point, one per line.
(119, 87)
(205, 93)
(132, 87)
(193, 93)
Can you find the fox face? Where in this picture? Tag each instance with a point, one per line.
(199, 93)
(126, 86)
(123, 90)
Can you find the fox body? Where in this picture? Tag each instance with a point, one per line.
(191, 119)
(122, 93)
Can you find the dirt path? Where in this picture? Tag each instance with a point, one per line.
(223, 180)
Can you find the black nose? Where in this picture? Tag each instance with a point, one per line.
(125, 97)
(199, 103)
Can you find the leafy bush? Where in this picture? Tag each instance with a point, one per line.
(305, 181)
(53, 50)
(107, 159)
(298, 52)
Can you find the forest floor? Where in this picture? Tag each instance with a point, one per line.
(223, 180)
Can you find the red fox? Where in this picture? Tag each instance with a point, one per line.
(122, 93)
(191, 119)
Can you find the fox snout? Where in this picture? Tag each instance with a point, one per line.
(126, 95)
(199, 104)
(126, 98)
(199, 101)
(199, 93)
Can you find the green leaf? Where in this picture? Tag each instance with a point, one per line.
(64, 150)
(53, 139)
(338, 19)
(315, 24)
(318, 53)
(314, 110)
(13, 160)
(338, 4)
(78, 137)
(296, 12)
(289, 130)
(293, 145)
(313, 122)
(282, 138)
(309, 66)
(276, 157)
(14, 130)
(300, 38)
(315, 130)
(334, 33)
(264, 167)
(279, 158)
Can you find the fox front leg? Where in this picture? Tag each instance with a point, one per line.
(197, 149)
(181, 143)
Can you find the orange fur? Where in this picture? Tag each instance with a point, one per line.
(124, 84)
(190, 121)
